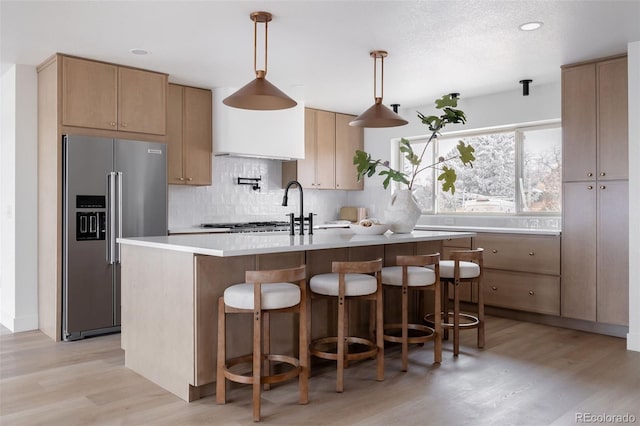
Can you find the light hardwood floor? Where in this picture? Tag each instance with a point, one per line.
(528, 374)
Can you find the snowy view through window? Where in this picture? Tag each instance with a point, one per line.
(516, 171)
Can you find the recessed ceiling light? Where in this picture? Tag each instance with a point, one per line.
(139, 51)
(530, 26)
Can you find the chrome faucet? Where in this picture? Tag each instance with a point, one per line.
(285, 201)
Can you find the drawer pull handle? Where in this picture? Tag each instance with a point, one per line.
(494, 251)
(602, 187)
(494, 288)
(590, 187)
(531, 253)
(531, 292)
(602, 174)
(112, 124)
(589, 174)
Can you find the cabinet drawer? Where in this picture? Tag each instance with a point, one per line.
(524, 253)
(521, 291)
(464, 243)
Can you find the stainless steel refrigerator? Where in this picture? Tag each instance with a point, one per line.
(111, 188)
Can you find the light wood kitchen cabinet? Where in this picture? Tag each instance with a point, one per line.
(189, 135)
(523, 253)
(579, 123)
(579, 250)
(595, 201)
(595, 256)
(317, 169)
(521, 272)
(330, 144)
(105, 96)
(348, 140)
(613, 120)
(594, 120)
(522, 291)
(613, 253)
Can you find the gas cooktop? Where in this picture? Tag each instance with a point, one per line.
(268, 226)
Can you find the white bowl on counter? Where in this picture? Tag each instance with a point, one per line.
(374, 229)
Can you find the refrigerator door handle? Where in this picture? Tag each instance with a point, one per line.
(111, 217)
(119, 189)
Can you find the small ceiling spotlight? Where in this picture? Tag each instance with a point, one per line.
(525, 87)
(395, 107)
(454, 95)
(138, 51)
(530, 26)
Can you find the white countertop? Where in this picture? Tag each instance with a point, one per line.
(495, 230)
(280, 242)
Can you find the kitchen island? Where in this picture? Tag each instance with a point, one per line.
(170, 286)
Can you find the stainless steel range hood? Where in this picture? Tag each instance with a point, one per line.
(275, 134)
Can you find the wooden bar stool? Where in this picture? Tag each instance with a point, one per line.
(352, 281)
(265, 292)
(464, 266)
(413, 272)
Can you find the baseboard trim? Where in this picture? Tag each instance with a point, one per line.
(555, 321)
(18, 324)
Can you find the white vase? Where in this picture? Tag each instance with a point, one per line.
(403, 212)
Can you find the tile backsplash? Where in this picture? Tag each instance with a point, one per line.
(226, 201)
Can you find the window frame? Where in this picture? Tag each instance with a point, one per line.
(518, 130)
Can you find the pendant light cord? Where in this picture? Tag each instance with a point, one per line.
(375, 77)
(260, 73)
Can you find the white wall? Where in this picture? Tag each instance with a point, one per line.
(18, 199)
(633, 338)
(499, 109)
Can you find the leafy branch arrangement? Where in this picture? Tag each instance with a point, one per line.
(366, 166)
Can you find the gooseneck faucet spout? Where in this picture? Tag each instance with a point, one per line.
(285, 200)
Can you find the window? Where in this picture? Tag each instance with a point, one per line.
(516, 171)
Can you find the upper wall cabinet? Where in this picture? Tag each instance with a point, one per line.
(98, 95)
(189, 142)
(317, 169)
(275, 134)
(594, 121)
(330, 144)
(348, 140)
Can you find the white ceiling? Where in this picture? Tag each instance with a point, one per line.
(435, 47)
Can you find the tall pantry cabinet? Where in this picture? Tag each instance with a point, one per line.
(595, 234)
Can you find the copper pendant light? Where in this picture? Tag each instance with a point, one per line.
(378, 115)
(259, 94)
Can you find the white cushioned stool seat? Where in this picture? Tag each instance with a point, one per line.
(354, 284)
(274, 296)
(416, 276)
(467, 269)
